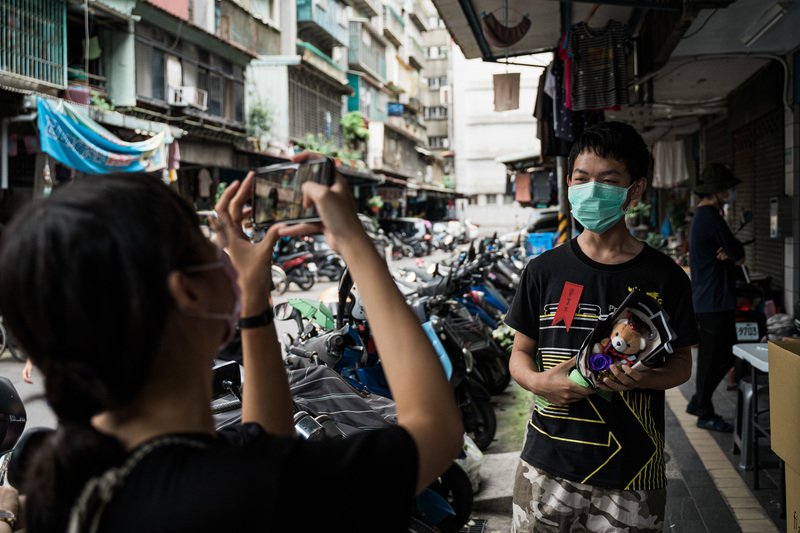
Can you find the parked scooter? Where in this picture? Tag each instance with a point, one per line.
(329, 263)
(297, 263)
(448, 335)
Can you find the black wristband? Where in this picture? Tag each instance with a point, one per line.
(264, 319)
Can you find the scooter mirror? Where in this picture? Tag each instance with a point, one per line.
(284, 311)
(14, 417)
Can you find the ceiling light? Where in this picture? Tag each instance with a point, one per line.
(763, 23)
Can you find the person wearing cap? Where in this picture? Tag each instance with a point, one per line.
(714, 254)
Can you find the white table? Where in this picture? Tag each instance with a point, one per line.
(757, 354)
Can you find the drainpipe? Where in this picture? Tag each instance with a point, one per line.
(4, 145)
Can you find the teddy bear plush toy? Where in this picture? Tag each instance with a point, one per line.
(621, 347)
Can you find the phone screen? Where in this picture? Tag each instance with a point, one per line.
(278, 193)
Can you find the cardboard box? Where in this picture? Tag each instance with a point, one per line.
(792, 499)
(784, 420)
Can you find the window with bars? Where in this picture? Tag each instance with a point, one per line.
(438, 141)
(314, 108)
(434, 112)
(436, 82)
(33, 39)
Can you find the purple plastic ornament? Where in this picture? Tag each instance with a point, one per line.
(599, 361)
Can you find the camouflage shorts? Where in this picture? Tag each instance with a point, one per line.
(544, 503)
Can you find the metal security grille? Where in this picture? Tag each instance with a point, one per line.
(33, 40)
(314, 108)
(717, 140)
(768, 163)
(758, 162)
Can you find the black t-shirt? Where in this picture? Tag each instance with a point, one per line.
(713, 281)
(617, 444)
(248, 480)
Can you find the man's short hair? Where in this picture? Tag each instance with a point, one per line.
(615, 140)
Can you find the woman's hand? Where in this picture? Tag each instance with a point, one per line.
(340, 224)
(27, 371)
(252, 261)
(9, 500)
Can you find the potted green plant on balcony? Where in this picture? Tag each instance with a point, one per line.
(355, 131)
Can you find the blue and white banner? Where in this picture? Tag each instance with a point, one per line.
(71, 137)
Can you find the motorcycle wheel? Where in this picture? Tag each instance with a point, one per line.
(479, 421)
(3, 338)
(279, 281)
(15, 353)
(305, 280)
(455, 487)
(494, 368)
(336, 272)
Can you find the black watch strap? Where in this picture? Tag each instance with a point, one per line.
(264, 319)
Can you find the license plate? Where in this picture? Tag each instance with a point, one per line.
(747, 331)
(312, 267)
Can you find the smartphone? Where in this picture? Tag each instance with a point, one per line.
(278, 191)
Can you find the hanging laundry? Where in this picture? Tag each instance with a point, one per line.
(506, 91)
(93, 51)
(562, 117)
(502, 36)
(522, 184)
(543, 113)
(599, 70)
(669, 165)
(204, 183)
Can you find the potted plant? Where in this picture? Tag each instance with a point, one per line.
(637, 213)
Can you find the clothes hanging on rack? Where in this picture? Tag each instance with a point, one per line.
(669, 165)
(599, 70)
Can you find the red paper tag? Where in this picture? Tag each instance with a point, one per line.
(568, 304)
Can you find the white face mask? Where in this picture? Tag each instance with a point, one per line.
(231, 318)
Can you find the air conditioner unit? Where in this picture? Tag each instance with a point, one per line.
(188, 96)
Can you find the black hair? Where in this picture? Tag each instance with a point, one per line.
(615, 140)
(84, 291)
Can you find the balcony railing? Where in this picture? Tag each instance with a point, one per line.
(321, 24)
(416, 53)
(369, 58)
(367, 8)
(33, 40)
(393, 26)
(319, 60)
(417, 15)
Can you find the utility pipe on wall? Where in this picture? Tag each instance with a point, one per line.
(4, 145)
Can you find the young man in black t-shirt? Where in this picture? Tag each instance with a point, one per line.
(587, 461)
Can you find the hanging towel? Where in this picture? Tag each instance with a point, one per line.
(522, 183)
(669, 168)
(506, 91)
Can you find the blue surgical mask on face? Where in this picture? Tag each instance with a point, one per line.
(597, 206)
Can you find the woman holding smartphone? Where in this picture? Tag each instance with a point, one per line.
(122, 304)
